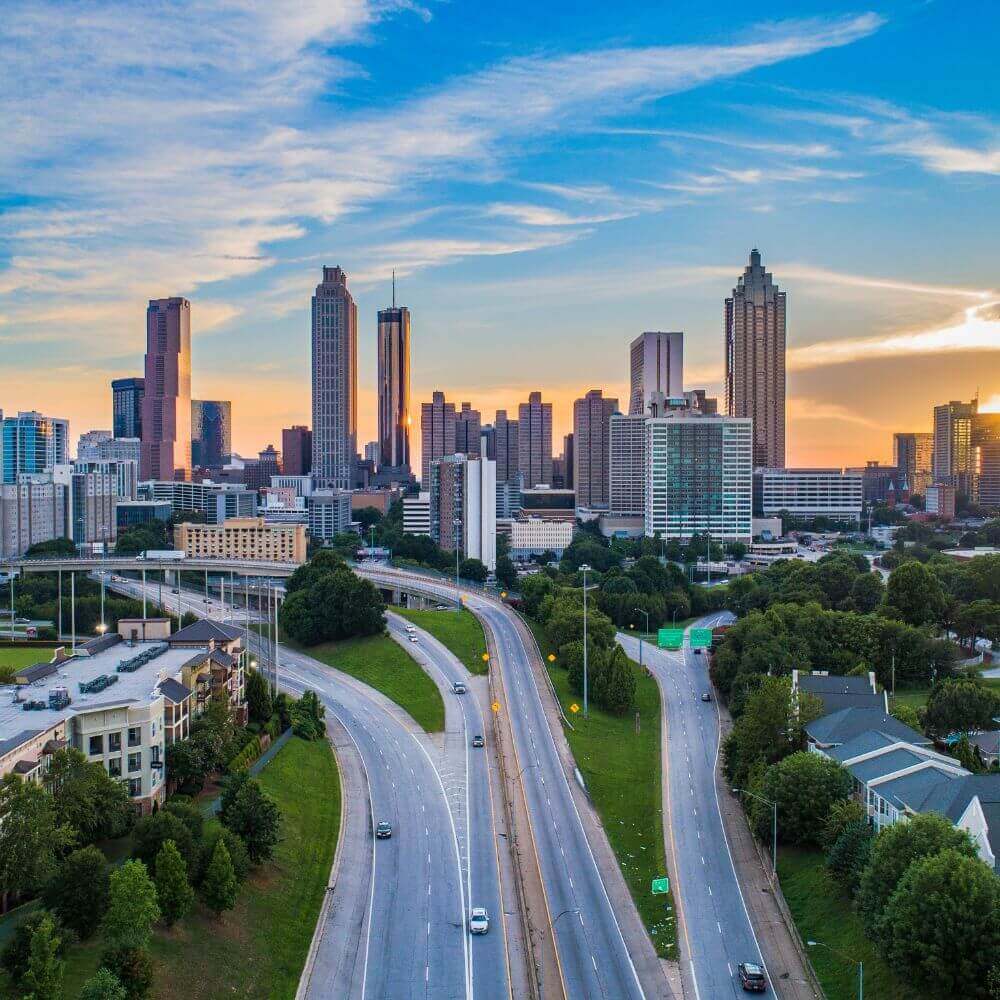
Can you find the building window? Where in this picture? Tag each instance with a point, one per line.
(96, 745)
(135, 787)
(115, 767)
(134, 736)
(134, 762)
(114, 742)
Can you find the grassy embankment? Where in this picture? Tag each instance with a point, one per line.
(459, 631)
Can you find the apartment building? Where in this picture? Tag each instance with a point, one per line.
(250, 538)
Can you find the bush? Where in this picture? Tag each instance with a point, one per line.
(308, 714)
(842, 815)
(243, 760)
(17, 952)
(78, 893)
(103, 985)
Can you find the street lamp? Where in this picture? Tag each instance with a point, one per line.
(774, 825)
(847, 958)
(585, 569)
(456, 524)
(646, 613)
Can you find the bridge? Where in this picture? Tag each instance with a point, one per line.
(131, 564)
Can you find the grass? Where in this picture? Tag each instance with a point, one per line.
(256, 951)
(384, 665)
(459, 631)
(622, 772)
(13, 657)
(822, 911)
(917, 697)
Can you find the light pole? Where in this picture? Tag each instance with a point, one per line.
(646, 613)
(585, 569)
(774, 825)
(456, 524)
(847, 958)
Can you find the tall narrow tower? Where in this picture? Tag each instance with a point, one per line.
(534, 420)
(334, 381)
(755, 361)
(394, 385)
(656, 365)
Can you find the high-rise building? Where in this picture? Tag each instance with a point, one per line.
(296, 450)
(124, 474)
(33, 443)
(468, 430)
(394, 386)
(941, 501)
(986, 442)
(954, 455)
(372, 452)
(334, 381)
(88, 445)
(591, 449)
(809, 493)
(507, 448)
(126, 407)
(627, 464)
(569, 470)
(166, 405)
(534, 420)
(913, 455)
(656, 364)
(32, 510)
(437, 433)
(91, 502)
(755, 361)
(698, 399)
(211, 432)
(463, 506)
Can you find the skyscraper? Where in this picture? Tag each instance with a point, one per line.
(569, 472)
(126, 407)
(468, 430)
(534, 420)
(166, 405)
(296, 450)
(334, 381)
(626, 464)
(913, 455)
(986, 441)
(463, 506)
(954, 455)
(755, 361)
(591, 416)
(656, 364)
(437, 433)
(33, 443)
(211, 432)
(507, 448)
(394, 386)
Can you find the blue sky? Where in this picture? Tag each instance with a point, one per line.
(547, 180)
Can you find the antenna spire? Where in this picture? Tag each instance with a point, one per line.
(393, 288)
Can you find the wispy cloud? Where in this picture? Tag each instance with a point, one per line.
(541, 215)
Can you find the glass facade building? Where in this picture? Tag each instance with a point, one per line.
(33, 443)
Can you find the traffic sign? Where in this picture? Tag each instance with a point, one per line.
(552, 657)
(660, 885)
(670, 638)
(486, 657)
(495, 706)
(574, 708)
(701, 638)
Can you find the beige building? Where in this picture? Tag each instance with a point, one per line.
(533, 536)
(250, 538)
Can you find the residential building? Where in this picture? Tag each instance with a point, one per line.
(954, 453)
(838, 691)
(468, 431)
(249, 538)
(986, 442)
(627, 464)
(463, 507)
(878, 481)
(755, 360)
(135, 513)
(88, 444)
(913, 455)
(437, 433)
(846, 724)
(417, 513)
(656, 365)
(211, 432)
(507, 448)
(808, 493)
(699, 476)
(91, 497)
(534, 420)
(591, 448)
(532, 536)
(296, 450)
(217, 501)
(124, 475)
(126, 407)
(329, 513)
(166, 403)
(940, 501)
(334, 381)
(31, 443)
(32, 510)
(393, 350)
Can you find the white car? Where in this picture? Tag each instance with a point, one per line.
(479, 920)
(413, 638)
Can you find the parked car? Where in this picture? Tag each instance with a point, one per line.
(383, 831)
(753, 979)
(478, 741)
(479, 920)
(458, 687)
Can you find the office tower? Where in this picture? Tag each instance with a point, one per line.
(986, 442)
(211, 432)
(831, 493)
(394, 386)
(437, 433)
(118, 450)
(488, 434)
(126, 407)
(656, 364)
(534, 420)
(954, 456)
(372, 452)
(296, 450)
(507, 448)
(591, 416)
(124, 474)
(33, 443)
(755, 361)
(463, 505)
(334, 381)
(88, 446)
(913, 455)
(626, 464)
(559, 472)
(166, 405)
(468, 431)
(699, 476)
(569, 469)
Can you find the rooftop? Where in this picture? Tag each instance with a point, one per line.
(844, 725)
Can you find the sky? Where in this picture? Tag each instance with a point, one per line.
(547, 180)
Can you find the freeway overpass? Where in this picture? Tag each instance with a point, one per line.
(132, 564)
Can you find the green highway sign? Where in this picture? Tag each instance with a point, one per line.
(670, 638)
(701, 638)
(661, 886)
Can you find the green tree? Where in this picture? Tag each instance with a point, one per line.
(259, 703)
(188, 764)
(805, 786)
(473, 569)
(237, 853)
(78, 892)
(53, 547)
(308, 714)
(867, 592)
(173, 891)
(942, 924)
(617, 691)
(17, 952)
(907, 714)
(152, 832)
(247, 811)
(218, 888)
(506, 572)
(87, 798)
(133, 968)
(914, 595)
(565, 623)
(849, 854)
(103, 985)
(43, 979)
(977, 618)
(960, 706)
(329, 602)
(841, 815)
(132, 908)
(189, 814)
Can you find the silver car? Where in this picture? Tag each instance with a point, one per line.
(479, 920)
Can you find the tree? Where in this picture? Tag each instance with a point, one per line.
(565, 623)
(326, 601)
(237, 853)
(218, 888)
(17, 952)
(132, 908)
(43, 979)
(53, 547)
(943, 924)
(867, 592)
(87, 798)
(173, 891)
(914, 595)
(617, 690)
(805, 787)
(132, 967)
(259, 702)
(308, 714)
(841, 815)
(850, 852)
(473, 569)
(187, 764)
(152, 832)
(907, 714)
(103, 985)
(190, 815)
(895, 849)
(78, 892)
(506, 572)
(247, 811)
(960, 706)
(975, 619)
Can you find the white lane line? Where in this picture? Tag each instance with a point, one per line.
(710, 890)
(594, 960)
(717, 924)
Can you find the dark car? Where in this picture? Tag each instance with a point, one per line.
(753, 979)
(706, 696)
(477, 741)
(383, 831)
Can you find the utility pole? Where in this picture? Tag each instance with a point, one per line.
(72, 609)
(708, 559)
(641, 612)
(143, 591)
(585, 569)
(60, 602)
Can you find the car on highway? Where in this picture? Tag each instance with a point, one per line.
(697, 651)
(413, 638)
(479, 920)
(174, 591)
(383, 831)
(706, 696)
(478, 741)
(753, 979)
(458, 687)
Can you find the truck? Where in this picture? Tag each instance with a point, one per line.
(162, 555)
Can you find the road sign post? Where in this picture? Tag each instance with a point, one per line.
(701, 638)
(660, 886)
(670, 638)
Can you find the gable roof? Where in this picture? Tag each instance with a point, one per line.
(218, 656)
(861, 744)
(205, 630)
(844, 725)
(174, 691)
(952, 799)
(831, 683)
(915, 791)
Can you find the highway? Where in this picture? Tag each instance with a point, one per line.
(715, 929)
